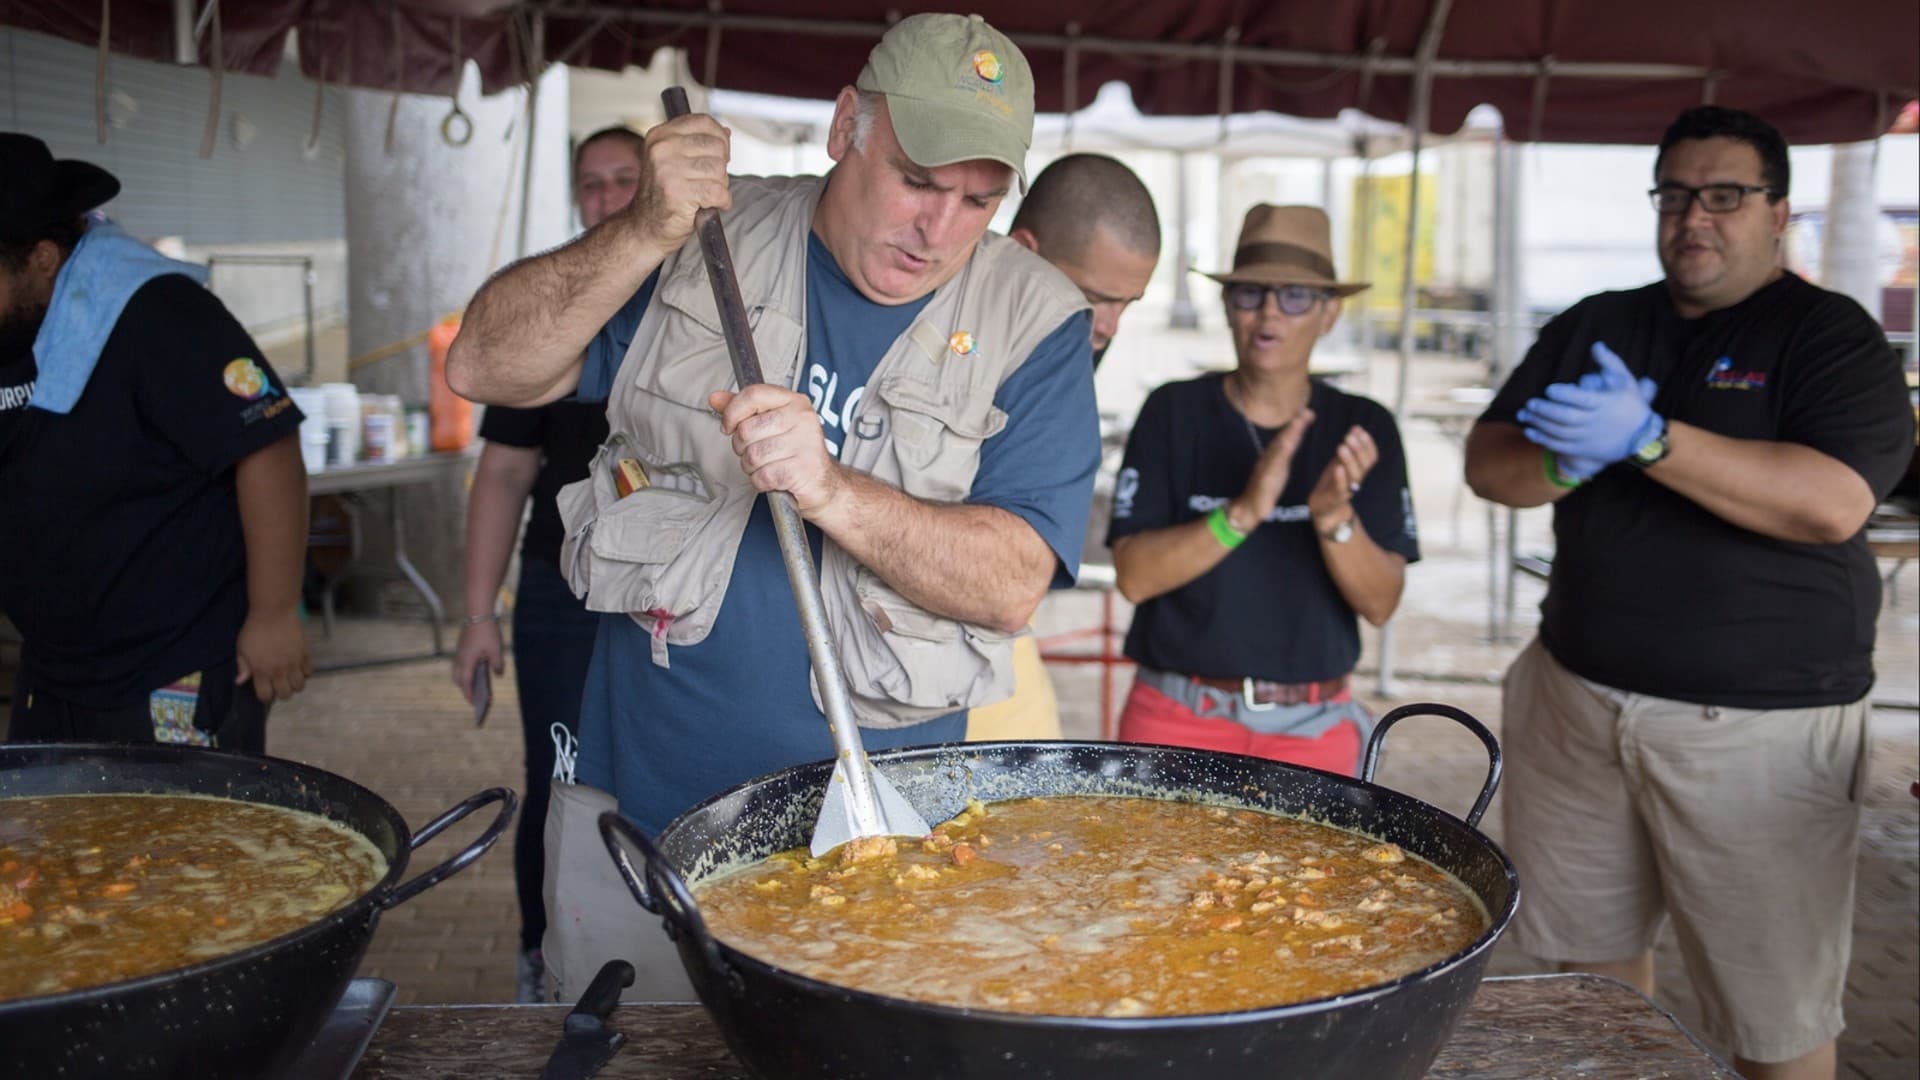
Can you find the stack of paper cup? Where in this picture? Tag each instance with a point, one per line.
(312, 403)
(343, 423)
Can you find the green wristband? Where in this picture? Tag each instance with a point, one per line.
(1223, 530)
(1559, 479)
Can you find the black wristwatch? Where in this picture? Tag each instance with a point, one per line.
(1653, 451)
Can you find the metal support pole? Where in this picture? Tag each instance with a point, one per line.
(535, 64)
(1417, 122)
(1364, 207)
(1494, 635)
(1502, 358)
(1513, 554)
(186, 44)
(1183, 316)
(306, 297)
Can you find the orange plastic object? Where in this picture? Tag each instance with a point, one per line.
(450, 416)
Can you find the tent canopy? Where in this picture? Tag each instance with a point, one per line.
(1110, 122)
(1557, 70)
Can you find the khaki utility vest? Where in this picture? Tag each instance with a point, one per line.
(665, 553)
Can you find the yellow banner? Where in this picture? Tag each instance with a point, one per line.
(1380, 236)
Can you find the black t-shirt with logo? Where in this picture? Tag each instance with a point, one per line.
(567, 433)
(1653, 594)
(121, 556)
(1270, 609)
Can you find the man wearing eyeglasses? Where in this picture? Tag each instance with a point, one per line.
(1687, 736)
(1256, 514)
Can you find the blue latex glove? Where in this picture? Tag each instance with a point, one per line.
(1593, 424)
(1579, 468)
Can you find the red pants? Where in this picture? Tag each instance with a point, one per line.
(1150, 716)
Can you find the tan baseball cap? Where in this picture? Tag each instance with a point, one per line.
(957, 90)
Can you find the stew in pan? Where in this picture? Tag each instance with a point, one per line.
(1101, 906)
(99, 888)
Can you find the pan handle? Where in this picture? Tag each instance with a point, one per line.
(466, 855)
(659, 888)
(1458, 716)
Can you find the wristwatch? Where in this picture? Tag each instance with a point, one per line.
(1653, 451)
(1342, 532)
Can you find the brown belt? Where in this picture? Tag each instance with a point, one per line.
(1261, 692)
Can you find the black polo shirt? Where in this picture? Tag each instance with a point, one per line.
(1270, 609)
(1651, 593)
(567, 433)
(121, 556)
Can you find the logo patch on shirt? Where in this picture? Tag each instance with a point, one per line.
(961, 342)
(1125, 487)
(245, 380)
(1722, 377)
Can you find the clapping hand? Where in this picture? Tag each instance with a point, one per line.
(1270, 473)
(1340, 480)
(1596, 421)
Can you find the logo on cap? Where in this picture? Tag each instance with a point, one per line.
(244, 379)
(961, 342)
(987, 66)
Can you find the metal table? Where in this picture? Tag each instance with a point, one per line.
(356, 481)
(1563, 1026)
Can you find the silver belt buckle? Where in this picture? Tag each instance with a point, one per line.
(1246, 696)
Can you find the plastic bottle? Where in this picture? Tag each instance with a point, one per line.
(343, 424)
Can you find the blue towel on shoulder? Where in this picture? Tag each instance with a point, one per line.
(106, 268)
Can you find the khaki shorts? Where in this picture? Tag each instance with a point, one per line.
(1742, 825)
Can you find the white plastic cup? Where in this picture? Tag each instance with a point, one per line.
(313, 446)
(312, 403)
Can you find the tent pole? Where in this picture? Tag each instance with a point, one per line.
(536, 59)
(1501, 362)
(1365, 202)
(1417, 122)
(1183, 316)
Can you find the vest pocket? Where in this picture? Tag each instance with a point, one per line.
(937, 432)
(619, 550)
(916, 659)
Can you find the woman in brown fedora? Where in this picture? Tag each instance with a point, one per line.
(1257, 512)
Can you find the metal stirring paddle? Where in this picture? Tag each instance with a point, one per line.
(859, 801)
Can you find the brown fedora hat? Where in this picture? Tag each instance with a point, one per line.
(1287, 245)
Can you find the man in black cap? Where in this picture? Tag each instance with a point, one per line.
(152, 496)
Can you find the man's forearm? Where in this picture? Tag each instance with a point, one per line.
(270, 485)
(1506, 467)
(977, 564)
(501, 483)
(1783, 490)
(523, 336)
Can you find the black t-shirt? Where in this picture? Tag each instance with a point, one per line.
(567, 433)
(1270, 609)
(121, 556)
(1653, 594)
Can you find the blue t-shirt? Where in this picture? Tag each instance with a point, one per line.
(739, 704)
